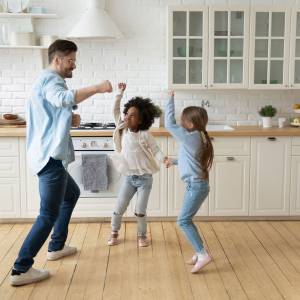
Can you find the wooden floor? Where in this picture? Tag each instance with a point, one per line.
(252, 260)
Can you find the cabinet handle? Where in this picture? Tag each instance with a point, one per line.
(212, 138)
(230, 158)
(292, 85)
(272, 138)
(205, 85)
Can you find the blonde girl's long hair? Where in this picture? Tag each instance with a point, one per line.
(199, 118)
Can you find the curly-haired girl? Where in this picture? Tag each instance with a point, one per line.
(140, 154)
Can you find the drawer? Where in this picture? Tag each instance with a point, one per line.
(9, 167)
(9, 146)
(222, 146)
(231, 145)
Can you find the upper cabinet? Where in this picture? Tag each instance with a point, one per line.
(228, 47)
(269, 48)
(294, 73)
(255, 48)
(188, 47)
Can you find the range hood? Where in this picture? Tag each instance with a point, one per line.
(95, 23)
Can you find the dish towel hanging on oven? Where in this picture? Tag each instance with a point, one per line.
(94, 172)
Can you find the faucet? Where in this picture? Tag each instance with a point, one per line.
(205, 103)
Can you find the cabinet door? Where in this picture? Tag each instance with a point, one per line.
(295, 186)
(187, 47)
(294, 76)
(10, 198)
(270, 176)
(228, 44)
(229, 194)
(31, 205)
(269, 47)
(176, 190)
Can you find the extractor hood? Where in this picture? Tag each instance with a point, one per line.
(95, 23)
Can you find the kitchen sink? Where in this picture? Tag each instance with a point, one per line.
(218, 127)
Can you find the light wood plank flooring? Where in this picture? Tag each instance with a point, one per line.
(252, 260)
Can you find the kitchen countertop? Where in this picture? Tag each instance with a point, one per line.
(239, 131)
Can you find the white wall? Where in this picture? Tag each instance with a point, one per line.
(139, 59)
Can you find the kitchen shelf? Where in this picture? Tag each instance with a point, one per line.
(22, 47)
(28, 15)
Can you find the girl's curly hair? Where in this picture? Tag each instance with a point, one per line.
(147, 111)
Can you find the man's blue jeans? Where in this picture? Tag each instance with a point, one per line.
(59, 194)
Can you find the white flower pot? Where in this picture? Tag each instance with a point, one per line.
(267, 122)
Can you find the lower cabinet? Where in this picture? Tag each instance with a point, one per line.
(270, 176)
(10, 197)
(229, 182)
(10, 180)
(295, 186)
(257, 176)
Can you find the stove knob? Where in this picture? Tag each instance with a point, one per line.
(84, 145)
(93, 144)
(105, 145)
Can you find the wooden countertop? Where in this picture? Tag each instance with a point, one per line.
(239, 131)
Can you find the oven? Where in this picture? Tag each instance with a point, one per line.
(103, 145)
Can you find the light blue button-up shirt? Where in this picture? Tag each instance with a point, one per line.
(49, 118)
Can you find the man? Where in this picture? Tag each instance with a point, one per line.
(49, 150)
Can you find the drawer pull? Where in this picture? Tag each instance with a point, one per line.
(212, 138)
(230, 158)
(272, 138)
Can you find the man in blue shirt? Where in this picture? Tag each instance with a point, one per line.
(49, 150)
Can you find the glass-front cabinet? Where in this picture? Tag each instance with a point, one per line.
(294, 77)
(228, 47)
(188, 47)
(269, 48)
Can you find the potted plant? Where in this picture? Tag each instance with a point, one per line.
(267, 112)
(158, 113)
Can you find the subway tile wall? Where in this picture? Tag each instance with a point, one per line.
(139, 59)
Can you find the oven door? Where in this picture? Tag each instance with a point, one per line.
(114, 177)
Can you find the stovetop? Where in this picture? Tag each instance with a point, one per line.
(95, 126)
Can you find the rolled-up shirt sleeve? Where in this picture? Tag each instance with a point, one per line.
(57, 93)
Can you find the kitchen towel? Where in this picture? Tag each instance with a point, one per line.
(94, 172)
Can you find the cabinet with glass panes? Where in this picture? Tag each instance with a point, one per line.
(228, 44)
(188, 47)
(294, 74)
(269, 47)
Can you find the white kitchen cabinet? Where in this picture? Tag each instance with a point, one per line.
(187, 46)
(269, 47)
(157, 204)
(228, 44)
(10, 197)
(294, 67)
(270, 176)
(9, 178)
(229, 182)
(295, 186)
(295, 177)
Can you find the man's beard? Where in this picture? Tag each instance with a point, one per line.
(69, 74)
